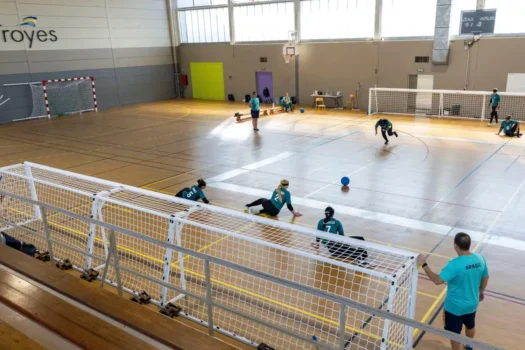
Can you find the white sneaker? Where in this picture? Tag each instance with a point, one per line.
(254, 211)
(490, 124)
(246, 208)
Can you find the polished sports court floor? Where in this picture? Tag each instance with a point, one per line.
(439, 177)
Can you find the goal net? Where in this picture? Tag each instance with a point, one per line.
(444, 103)
(61, 97)
(246, 306)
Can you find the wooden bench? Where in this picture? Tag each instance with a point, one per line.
(273, 110)
(78, 326)
(164, 330)
(268, 111)
(11, 338)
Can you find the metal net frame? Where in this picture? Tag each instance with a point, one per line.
(385, 279)
(458, 104)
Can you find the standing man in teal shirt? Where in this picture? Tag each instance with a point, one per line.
(467, 277)
(511, 128)
(255, 110)
(495, 99)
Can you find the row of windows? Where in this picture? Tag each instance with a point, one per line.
(331, 19)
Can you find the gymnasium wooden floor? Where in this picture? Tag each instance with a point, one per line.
(439, 177)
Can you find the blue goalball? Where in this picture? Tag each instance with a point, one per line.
(345, 181)
(302, 110)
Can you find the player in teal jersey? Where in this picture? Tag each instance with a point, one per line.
(194, 193)
(337, 249)
(255, 110)
(329, 224)
(274, 205)
(510, 127)
(386, 127)
(467, 277)
(495, 99)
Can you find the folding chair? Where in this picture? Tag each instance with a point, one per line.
(319, 103)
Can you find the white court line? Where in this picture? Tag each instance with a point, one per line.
(247, 168)
(380, 217)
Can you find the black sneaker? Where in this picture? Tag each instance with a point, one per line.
(255, 129)
(395, 134)
(386, 142)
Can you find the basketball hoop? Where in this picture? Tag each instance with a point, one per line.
(290, 50)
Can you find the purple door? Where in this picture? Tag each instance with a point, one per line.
(264, 80)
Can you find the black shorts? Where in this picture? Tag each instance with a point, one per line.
(455, 323)
(255, 114)
(512, 132)
(269, 208)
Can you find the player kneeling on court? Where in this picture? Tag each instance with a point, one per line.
(274, 205)
(467, 277)
(337, 249)
(386, 127)
(195, 192)
(510, 127)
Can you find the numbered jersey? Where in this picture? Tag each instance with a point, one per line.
(331, 226)
(194, 194)
(287, 198)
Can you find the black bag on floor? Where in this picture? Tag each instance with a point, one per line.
(294, 100)
(231, 98)
(14, 243)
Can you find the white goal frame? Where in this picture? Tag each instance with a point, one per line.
(472, 105)
(63, 80)
(66, 213)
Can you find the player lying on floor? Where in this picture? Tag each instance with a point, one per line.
(338, 250)
(195, 192)
(510, 127)
(274, 205)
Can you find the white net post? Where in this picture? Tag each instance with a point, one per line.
(483, 110)
(178, 235)
(370, 111)
(441, 104)
(167, 260)
(31, 182)
(409, 335)
(386, 324)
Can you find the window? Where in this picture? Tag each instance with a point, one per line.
(455, 14)
(204, 26)
(422, 59)
(509, 15)
(194, 3)
(337, 19)
(406, 18)
(266, 22)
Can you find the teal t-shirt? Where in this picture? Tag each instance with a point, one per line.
(463, 276)
(495, 99)
(384, 125)
(507, 126)
(194, 194)
(287, 198)
(332, 226)
(254, 104)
